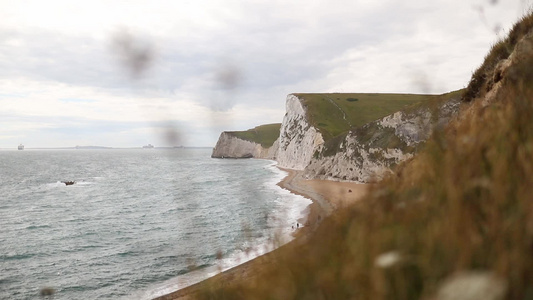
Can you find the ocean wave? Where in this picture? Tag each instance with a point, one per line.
(61, 184)
(17, 256)
(133, 229)
(56, 184)
(31, 227)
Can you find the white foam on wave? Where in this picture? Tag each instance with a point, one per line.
(290, 209)
(236, 258)
(84, 183)
(55, 185)
(59, 184)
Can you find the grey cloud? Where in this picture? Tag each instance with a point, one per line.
(45, 55)
(82, 61)
(259, 51)
(267, 50)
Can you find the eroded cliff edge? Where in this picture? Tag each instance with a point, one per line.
(258, 142)
(298, 139)
(367, 153)
(231, 146)
(363, 153)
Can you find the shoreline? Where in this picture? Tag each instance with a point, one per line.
(326, 196)
(319, 208)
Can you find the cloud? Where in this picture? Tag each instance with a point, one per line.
(206, 66)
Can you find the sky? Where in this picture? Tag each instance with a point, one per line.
(172, 73)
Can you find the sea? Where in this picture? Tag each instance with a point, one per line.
(137, 223)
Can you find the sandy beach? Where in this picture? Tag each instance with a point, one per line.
(326, 196)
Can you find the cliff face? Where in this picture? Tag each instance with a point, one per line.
(298, 139)
(293, 149)
(369, 152)
(230, 146)
(363, 154)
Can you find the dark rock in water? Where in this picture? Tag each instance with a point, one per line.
(68, 182)
(47, 291)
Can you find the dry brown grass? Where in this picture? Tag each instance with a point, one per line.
(481, 79)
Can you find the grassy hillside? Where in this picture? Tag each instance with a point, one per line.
(336, 113)
(373, 135)
(462, 207)
(265, 135)
(483, 79)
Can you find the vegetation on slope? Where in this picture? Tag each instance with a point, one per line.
(483, 78)
(337, 113)
(462, 205)
(265, 135)
(373, 135)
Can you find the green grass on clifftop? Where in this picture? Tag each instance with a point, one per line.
(336, 113)
(265, 135)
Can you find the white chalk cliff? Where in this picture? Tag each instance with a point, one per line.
(298, 140)
(369, 152)
(364, 154)
(230, 146)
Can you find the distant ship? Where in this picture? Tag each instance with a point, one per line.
(149, 146)
(21, 147)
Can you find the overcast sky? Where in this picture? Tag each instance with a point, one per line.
(129, 73)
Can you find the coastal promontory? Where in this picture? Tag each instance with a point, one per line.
(259, 142)
(343, 136)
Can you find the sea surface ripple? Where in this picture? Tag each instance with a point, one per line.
(135, 220)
